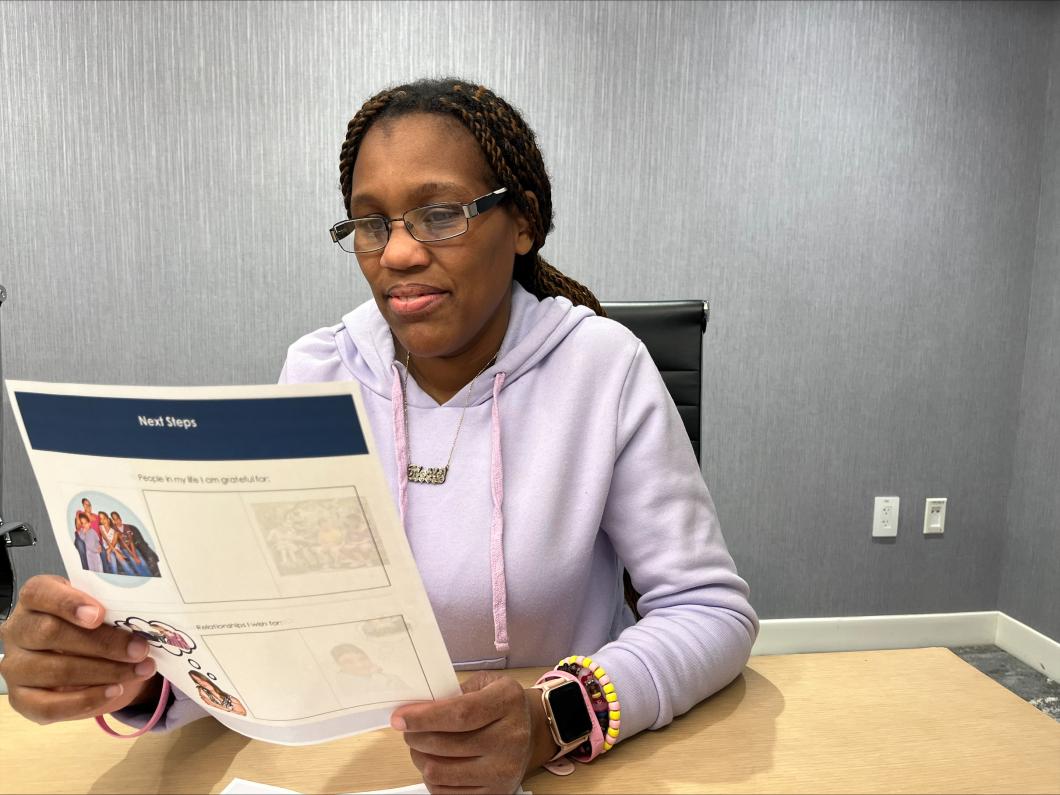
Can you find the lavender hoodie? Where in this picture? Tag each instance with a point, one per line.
(571, 462)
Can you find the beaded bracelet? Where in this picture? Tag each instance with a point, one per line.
(592, 686)
(595, 674)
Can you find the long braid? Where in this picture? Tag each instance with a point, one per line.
(544, 280)
(510, 149)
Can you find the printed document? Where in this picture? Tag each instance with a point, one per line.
(241, 786)
(249, 536)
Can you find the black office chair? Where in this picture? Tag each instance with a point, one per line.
(12, 534)
(672, 331)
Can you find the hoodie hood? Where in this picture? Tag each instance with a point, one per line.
(535, 329)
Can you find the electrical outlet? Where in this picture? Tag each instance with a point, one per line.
(885, 517)
(934, 516)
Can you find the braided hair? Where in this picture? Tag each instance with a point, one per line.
(510, 149)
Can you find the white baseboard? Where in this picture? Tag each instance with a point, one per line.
(1039, 651)
(864, 633)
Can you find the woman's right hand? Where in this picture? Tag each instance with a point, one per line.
(62, 663)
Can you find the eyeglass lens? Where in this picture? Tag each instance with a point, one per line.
(429, 224)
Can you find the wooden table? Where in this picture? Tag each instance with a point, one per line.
(915, 720)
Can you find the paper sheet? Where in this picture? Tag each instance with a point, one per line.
(244, 787)
(248, 534)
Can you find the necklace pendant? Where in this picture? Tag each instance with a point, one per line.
(434, 476)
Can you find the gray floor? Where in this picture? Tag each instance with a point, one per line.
(1030, 685)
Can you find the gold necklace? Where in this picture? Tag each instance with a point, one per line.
(434, 476)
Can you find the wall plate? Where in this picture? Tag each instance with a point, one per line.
(885, 517)
(934, 516)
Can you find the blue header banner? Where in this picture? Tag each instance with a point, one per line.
(238, 429)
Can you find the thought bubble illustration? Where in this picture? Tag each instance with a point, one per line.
(389, 626)
(159, 634)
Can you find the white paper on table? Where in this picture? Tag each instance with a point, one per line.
(268, 571)
(244, 787)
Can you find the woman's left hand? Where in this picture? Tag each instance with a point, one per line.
(485, 740)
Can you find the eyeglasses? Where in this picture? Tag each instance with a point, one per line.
(427, 224)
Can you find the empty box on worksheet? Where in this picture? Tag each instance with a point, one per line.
(267, 544)
(313, 676)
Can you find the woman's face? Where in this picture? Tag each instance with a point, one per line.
(461, 286)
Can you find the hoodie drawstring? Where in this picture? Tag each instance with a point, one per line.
(401, 444)
(500, 589)
(401, 450)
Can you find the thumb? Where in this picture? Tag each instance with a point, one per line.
(49, 593)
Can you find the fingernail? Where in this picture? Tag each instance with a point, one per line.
(137, 648)
(397, 723)
(113, 691)
(87, 615)
(144, 668)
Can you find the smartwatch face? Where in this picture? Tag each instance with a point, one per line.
(569, 712)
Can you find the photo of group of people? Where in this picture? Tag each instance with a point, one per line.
(106, 543)
(316, 535)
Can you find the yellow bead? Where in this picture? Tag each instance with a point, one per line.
(612, 732)
(608, 746)
(614, 715)
(609, 688)
(610, 697)
(587, 662)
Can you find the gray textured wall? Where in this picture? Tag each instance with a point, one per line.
(854, 185)
(1030, 574)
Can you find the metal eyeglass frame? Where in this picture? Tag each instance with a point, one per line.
(471, 209)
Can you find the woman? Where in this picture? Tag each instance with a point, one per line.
(532, 449)
(88, 543)
(214, 696)
(115, 556)
(498, 396)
